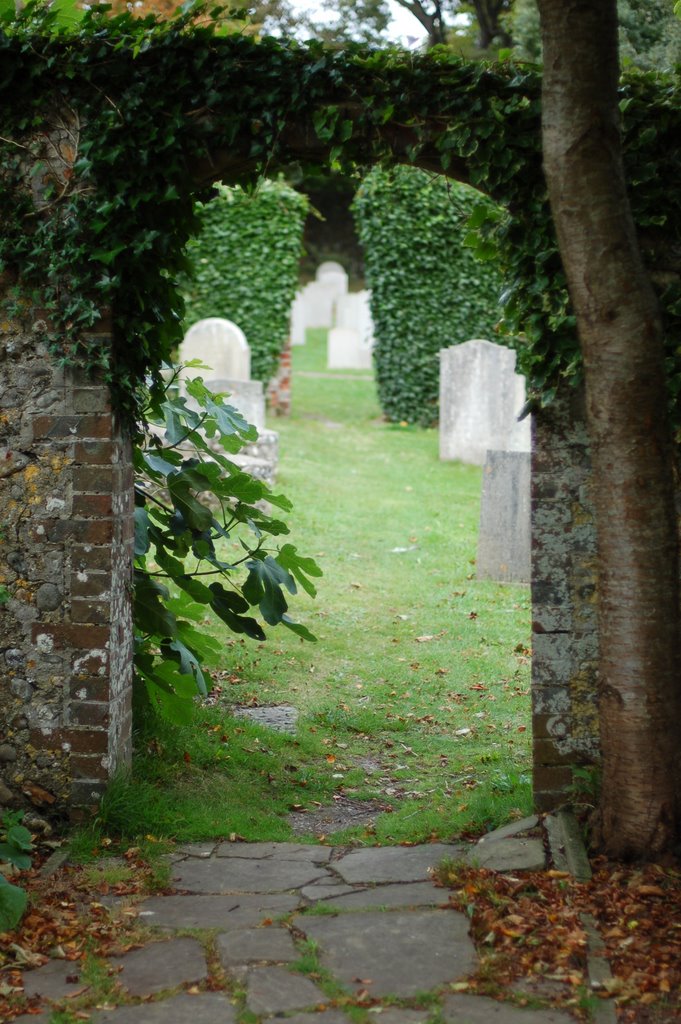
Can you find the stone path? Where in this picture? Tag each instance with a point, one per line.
(369, 923)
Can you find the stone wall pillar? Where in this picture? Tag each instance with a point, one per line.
(279, 388)
(564, 578)
(66, 542)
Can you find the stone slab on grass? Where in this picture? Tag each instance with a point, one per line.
(397, 1015)
(465, 1009)
(162, 965)
(226, 913)
(204, 1008)
(238, 874)
(510, 854)
(325, 890)
(282, 851)
(256, 945)
(322, 1017)
(274, 990)
(395, 863)
(394, 953)
(55, 980)
(407, 894)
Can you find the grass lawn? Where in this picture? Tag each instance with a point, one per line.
(416, 694)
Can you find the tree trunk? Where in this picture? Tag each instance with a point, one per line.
(632, 453)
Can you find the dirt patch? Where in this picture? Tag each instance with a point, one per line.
(341, 814)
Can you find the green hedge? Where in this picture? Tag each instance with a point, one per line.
(245, 266)
(428, 291)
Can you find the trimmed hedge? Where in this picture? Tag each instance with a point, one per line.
(245, 266)
(428, 291)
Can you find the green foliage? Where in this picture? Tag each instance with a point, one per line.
(15, 849)
(245, 265)
(428, 290)
(200, 546)
(144, 105)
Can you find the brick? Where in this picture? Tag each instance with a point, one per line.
(93, 479)
(94, 584)
(89, 713)
(552, 778)
(93, 400)
(94, 452)
(85, 796)
(88, 740)
(55, 426)
(88, 767)
(89, 688)
(65, 634)
(87, 610)
(87, 557)
(92, 504)
(86, 531)
(549, 752)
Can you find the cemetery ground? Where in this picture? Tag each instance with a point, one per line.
(413, 726)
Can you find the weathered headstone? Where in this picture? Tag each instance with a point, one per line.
(345, 350)
(333, 276)
(221, 345)
(504, 539)
(481, 396)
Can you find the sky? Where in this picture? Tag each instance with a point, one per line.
(403, 26)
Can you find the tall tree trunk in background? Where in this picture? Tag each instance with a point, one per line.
(622, 344)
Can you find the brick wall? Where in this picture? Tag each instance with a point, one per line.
(564, 627)
(279, 388)
(66, 505)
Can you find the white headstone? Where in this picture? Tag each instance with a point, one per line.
(345, 350)
(298, 324)
(353, 311)
(334, 277)
(318, 303)
(481, 396)
(221, 345)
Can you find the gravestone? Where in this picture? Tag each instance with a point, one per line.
(332, 276)
(345, 350)
(481, 396)
(297, 328)
(504, 540)
(221, 345)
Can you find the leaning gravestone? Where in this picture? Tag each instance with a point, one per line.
(481, 396)
(221, 345)
(504, 540)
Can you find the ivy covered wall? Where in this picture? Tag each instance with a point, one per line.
(244, 265)
(428, 289)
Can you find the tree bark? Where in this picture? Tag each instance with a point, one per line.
(631, 446)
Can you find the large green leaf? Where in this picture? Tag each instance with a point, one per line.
(13, 901)
(300, 567)
(151, 615)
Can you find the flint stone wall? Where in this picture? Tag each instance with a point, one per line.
(564, 601)
(66, 504)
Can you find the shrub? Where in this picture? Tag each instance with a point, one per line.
(244, 266)
(428, 290)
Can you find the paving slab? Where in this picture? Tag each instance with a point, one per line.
(407, 894)
(204, 1008)
(237, 874)
(393, 952)
(257, 944)
(226, 913)
(465, 1009)
(513, 828)
(57, 979)
(161, 965)
(274, 990)
(324, 889)
(201, 850)
(396, 1015)
(395, 863)
(321, 1017)
(509, 854)
(282, 851)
